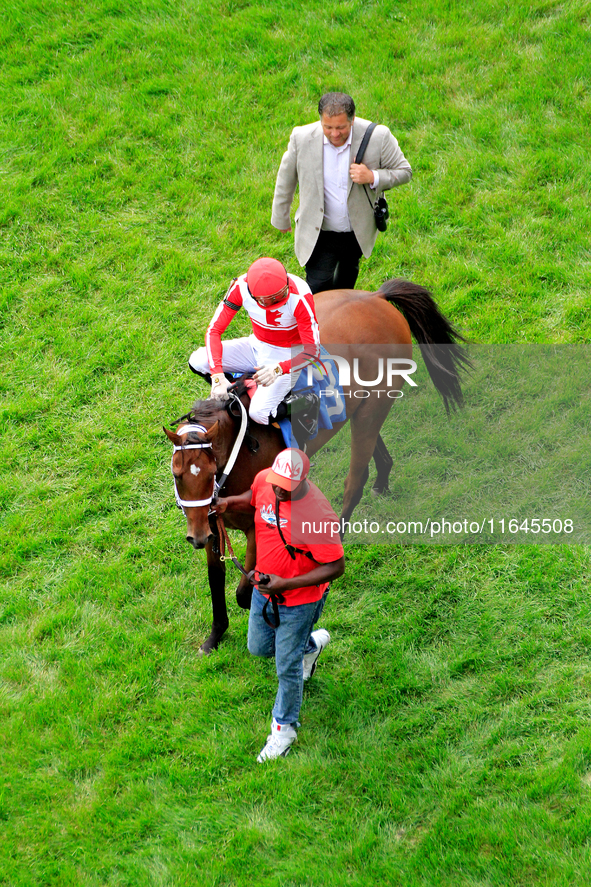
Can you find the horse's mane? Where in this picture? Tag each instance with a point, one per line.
(207, 412)
(207, 409)
(203, 412)
(210, 408)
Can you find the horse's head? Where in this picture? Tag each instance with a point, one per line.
(193, 468)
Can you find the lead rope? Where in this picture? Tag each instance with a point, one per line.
(225, 540)
(274, 598)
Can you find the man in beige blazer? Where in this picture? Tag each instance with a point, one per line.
(334, 223)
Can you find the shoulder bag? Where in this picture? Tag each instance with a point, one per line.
(380, 207)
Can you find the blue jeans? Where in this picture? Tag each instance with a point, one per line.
(288, 644)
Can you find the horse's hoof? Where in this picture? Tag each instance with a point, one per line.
(380, 491)
(209, 645)
(205, 649)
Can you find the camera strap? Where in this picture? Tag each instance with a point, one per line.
(275, 598)
(365, 142)
(291, 549)
(360, 154)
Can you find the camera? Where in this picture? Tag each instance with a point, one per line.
(381, 213)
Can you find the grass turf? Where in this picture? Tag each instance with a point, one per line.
(445, 736)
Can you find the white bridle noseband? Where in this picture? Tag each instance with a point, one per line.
(191, 503)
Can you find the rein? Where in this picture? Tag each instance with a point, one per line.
(237, 444)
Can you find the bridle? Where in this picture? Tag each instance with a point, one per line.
(202, 445)
(192, 427)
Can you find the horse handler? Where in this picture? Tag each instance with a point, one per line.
(290, 583)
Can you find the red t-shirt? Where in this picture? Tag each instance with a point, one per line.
(272, 556)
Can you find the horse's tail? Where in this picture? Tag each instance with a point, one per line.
(437, 338)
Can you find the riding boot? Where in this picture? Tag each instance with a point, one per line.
(206, 376)
(303, 409)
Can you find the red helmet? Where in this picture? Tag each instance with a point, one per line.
(267, 281)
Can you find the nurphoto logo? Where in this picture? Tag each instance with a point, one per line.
(387, 370)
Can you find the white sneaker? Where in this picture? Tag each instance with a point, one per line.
(322, 639)
(279, 742)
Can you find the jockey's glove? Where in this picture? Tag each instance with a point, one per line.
(219, 386)
(267, 374)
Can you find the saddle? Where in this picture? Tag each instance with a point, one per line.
(301, 408)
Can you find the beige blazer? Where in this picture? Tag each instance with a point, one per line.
(302, 165)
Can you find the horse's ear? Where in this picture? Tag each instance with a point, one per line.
(212, 432)
(175, 438)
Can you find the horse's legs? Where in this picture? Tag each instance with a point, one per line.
(365, 429)
(384, 464)
(216, 572)
(244, 590)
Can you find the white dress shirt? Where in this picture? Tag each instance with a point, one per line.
(336, 182)
(337, 162)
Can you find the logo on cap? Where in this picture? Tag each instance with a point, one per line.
(289, 469)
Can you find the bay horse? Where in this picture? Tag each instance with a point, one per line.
(348, 320)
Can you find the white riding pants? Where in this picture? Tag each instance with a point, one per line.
(243, 356)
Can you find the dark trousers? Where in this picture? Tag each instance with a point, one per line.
(334, 264)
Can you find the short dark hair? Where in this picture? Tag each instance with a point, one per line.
(334, 103)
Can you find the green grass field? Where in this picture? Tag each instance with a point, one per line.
(446, 737)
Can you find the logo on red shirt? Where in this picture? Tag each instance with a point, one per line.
(268, 515)
(273, 317)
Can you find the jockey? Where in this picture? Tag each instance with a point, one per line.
(285, 336)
